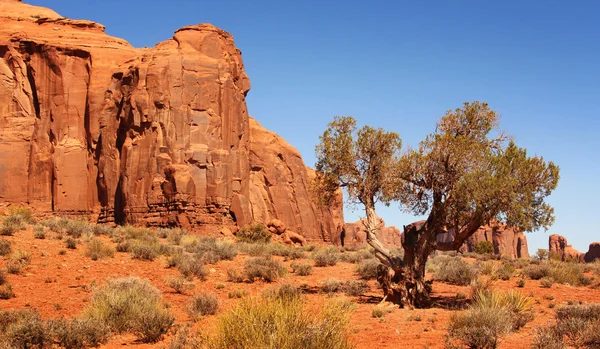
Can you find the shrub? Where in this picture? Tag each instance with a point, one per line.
(283, 292)
(521, 283)
(190, 266)
(284, 324)
(237, 293)
(536, 272)
(17, 261)
(547, 338)
(566, 273)
(518, 305)
(102, 229)
(24, 329)
(12, 224)
(302, 269)
(143, 249)
(5, 248)
(367, 269)
(210, 250)
(179, 284)
(454, 270)
(203, 304)
(576, 326)
(487, 267)
(78, 333)
(185, 339)
(96, 249)
(480, 327)
(2, 277)
(39, 231)
(327, 256)
(505, 271)
(377, 312)
(254, 233)
(6, 291)
(76, 227)
(484, 247)
(71, 243)
(265, 268)
(173, 235)
(131, 305)
(355, 288)
(235, 275)
(331, 285)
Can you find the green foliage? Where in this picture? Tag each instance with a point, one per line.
(131, 305)
(96, 249)
(541, 254)
(282, 323)
(484, 247)
(264, 268)
(203, 304)
(254, 233)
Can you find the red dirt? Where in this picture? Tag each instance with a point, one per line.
(60, 285)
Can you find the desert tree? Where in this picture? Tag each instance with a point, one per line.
(464, 175)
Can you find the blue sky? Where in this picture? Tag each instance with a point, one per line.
(400, 65)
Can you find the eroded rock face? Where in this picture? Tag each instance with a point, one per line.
(355, 235)
(558, 246)
(160, 136)
(593, 253)
(507, 241)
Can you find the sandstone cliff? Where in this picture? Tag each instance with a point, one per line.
(507, 241)
(558, 246)
(159, 136)
(593, 252)
(355, 235)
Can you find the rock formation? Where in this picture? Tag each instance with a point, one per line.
(355, 235)
(593, 252)
(507, 241)
(558, 246)
(159, 136)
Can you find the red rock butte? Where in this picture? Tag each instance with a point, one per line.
(159, 136)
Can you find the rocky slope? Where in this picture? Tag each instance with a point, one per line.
(159, 136)
(559, 246)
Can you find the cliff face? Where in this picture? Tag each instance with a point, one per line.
(356, 235)
(507, 241)
(89, 124)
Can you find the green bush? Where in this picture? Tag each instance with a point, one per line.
(302, 269)
(264, 268)
(480, 328)
(282, 324)
(254, 233)
(5, 248)
(78, 333)
(454, 270)
(367, 269)
(131, 305)
(484, 247)
(327, 256)
(96, 249)
(203, 304)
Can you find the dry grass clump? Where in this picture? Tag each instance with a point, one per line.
(131, 305)
(96, 249)
(184, 338)
(326, 256)
(209, 250)
(284, 323)
(576, 326)
(203, 304)
(517, 304)
(453, 270)
(188, 265)
(6, 291)
(5, 248)
(179, 284)
(78, 333)
(39, 231)
(18, 261)
(301, 269)
(254, 233)
(264, 268)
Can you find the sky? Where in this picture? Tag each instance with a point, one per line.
(400, 65)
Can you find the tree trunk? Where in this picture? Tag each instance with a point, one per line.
(405, 285)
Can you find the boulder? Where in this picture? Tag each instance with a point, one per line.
(276, 226)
